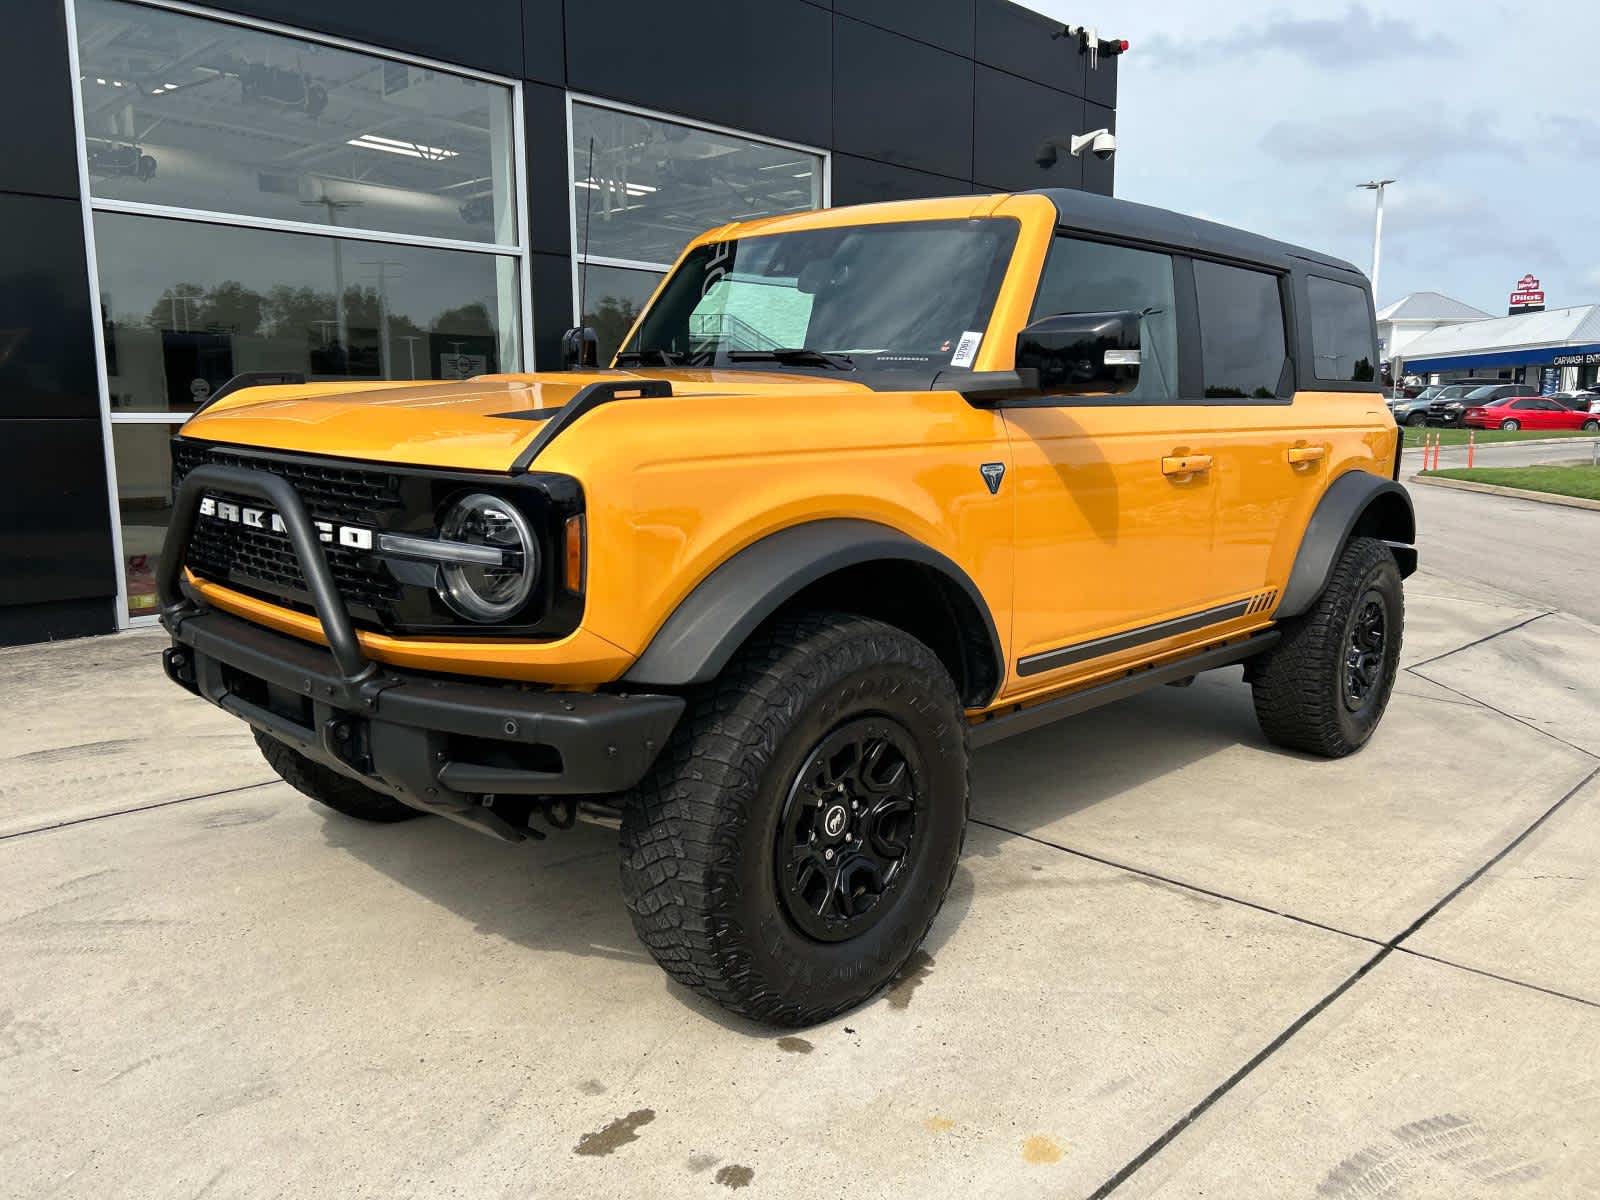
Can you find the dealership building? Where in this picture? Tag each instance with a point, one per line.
(380, 189)
(1551, 350)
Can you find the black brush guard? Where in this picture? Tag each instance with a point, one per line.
(435, 743)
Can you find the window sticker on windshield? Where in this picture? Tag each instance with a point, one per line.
(967, 348)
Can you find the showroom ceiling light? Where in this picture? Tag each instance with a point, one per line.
(373, 141)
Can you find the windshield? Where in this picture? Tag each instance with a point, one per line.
(907, 296)
(1456, 391)
(1428, 393)
(1482, 393)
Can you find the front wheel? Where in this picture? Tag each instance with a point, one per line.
(1323, 688)
(1416, 420)
(791, 848)
(1591, 426)
(1510, 425)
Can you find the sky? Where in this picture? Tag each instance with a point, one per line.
(1267, 115)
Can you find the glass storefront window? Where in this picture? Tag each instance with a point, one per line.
(188, 305)
(201, 114)
(143, 457)
(612, 299)
(645, 186)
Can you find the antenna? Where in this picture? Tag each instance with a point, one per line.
(588, 201)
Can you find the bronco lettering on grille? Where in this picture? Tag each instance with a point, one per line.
(355, 537)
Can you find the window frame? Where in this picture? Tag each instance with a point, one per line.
(574, 232)
(1191, 372)
(89, 204)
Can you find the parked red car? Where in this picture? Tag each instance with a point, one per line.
(1529, 412)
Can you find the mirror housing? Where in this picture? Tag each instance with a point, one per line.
(580, 347)
(1083, 354)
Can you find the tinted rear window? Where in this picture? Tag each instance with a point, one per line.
(1241, 331)
(1341, 331)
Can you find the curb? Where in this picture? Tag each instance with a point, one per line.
(1494, 489)
(1582, 441)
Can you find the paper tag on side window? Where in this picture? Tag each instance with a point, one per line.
(967, 348)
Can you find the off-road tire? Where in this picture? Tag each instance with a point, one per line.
(327, 786)
(1298, 685)
(700, 835)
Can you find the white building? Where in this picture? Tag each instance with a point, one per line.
(1411, 316)
(1555, 350)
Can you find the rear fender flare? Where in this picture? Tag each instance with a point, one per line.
(1357, 503)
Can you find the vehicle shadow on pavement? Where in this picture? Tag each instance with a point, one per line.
(1041, 777)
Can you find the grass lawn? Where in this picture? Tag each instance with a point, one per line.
(1583, 482)
(1458, 437)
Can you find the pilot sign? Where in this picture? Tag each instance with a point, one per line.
(1527, 294)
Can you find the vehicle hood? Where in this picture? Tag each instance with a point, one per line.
(480, 424)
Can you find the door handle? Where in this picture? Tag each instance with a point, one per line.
(1185, 464)
(1306, 454)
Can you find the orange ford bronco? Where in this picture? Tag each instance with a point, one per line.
(863, 489)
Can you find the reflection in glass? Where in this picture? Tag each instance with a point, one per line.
(652, 185)
(190, 305)
(194, 113)
(613, 298)
(1242, 345)
(1341, 330)
(144, 499)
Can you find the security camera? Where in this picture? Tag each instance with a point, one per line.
(1102, 141)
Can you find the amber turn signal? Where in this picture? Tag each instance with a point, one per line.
(575, 540)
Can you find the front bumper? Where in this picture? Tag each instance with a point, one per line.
(436, 743)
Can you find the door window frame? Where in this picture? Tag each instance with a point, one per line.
(89, 205)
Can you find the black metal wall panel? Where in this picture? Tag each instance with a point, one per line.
(549, 194)
(900, 101)
(486, 34)
(761, 67)
(944, 23)
(24, 623)
(544, 41)
(552, 307)
(1015, 118)
(1021, 41)
(55, 531)
(866, 181)
(38, 143)
(46, 339)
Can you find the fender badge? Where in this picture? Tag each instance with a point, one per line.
(992, 474)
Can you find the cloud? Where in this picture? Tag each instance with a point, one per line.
(1336, 43)
(1377, 138)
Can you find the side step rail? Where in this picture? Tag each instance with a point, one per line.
(1006, 723)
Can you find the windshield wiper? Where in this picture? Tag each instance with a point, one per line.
(653, 357)
(795, 356)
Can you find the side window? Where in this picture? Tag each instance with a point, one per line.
(1341, 330)
(1242, 344)
(1082, 276)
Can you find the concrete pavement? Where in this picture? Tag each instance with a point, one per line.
(1177, 962)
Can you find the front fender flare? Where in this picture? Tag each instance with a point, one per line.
(1357, 501)
(728, 605)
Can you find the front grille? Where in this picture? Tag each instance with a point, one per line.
(262, 562)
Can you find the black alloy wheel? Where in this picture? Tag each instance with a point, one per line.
(1364, 657)
(848, 833)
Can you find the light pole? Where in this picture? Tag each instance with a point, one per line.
(1377, 186)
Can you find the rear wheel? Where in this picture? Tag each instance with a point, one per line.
(1324, 687)
(327, 786)
(1511, 424)
(792, 846)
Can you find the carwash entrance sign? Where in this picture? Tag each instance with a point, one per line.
(1527, 296)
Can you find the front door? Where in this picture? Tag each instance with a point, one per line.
(1115, 498)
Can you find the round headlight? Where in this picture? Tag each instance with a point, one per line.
(490, 590)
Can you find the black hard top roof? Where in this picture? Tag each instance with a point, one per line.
(1124, 219)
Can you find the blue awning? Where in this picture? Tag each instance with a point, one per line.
(1542, 357)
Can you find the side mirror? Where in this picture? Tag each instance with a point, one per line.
(580, 348)
(1083, 354)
